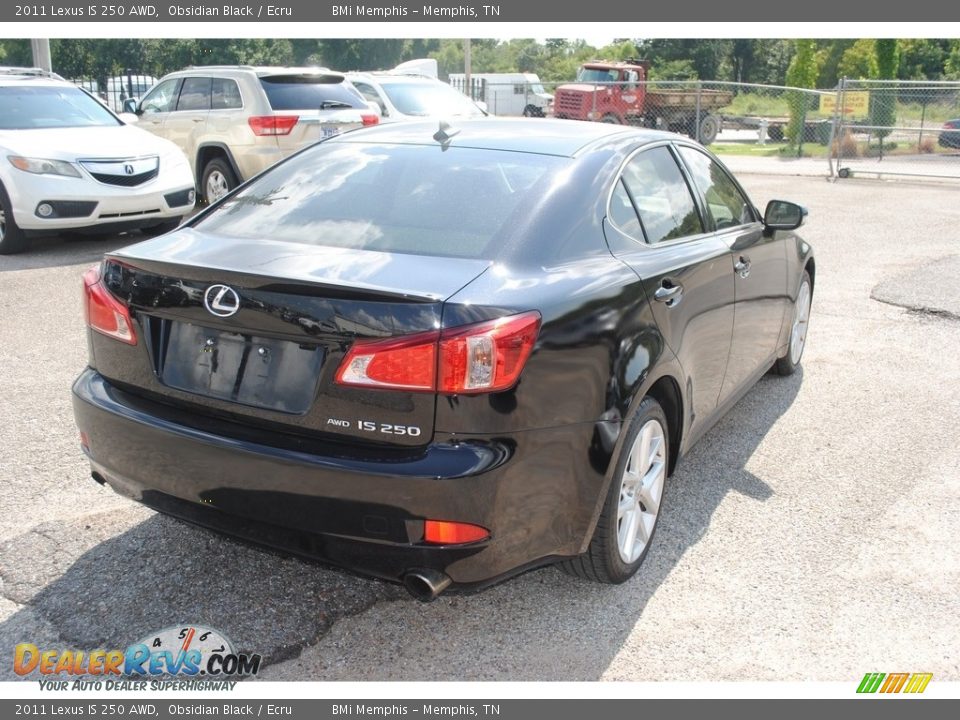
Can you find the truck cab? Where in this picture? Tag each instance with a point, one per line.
(605, 91)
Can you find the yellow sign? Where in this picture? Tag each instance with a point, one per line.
(856, 104)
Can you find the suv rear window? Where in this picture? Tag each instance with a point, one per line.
(310, 92)
(414, 199)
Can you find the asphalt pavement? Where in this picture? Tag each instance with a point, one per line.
(811, 535)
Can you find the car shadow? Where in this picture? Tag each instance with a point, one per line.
(66, 249)
(109, 579)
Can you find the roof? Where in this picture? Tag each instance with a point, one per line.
(19, 74)
(259, 70)
(534, 135)
(386, 76)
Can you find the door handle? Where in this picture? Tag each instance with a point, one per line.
(198, 119)
(742, 266)
(668, 294)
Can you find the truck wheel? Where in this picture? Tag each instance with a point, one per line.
(709, 129)
(611, 118)
(775, 132)
(532, 111)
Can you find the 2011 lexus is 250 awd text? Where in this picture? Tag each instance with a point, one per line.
(442, 356)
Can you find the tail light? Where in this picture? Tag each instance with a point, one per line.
(370, 119)
(104, 313)
(481, 358)
(272, 124)
(444, 532)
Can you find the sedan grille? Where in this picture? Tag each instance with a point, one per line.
(129, 172)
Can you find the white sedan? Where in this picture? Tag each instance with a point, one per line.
(69, 163)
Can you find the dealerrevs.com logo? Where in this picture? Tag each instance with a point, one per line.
(189, 651)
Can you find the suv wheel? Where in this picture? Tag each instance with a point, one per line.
(12, 239)
(218, 179)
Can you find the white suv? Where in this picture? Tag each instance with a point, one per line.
(69, 163)
(234, 121)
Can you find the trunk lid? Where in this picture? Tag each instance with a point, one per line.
(255, 331)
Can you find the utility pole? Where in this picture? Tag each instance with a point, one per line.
(41, 54)
(466, 68)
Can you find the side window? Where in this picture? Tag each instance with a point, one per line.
(195, 94)
(161, 98)
(623, 214)
(370, 94)
(225, 95)
(662, 196)
(726, 205)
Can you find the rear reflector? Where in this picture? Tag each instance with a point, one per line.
(272, 124)
(443, 532)
(370, 119)
(481, 358)
(104, 313)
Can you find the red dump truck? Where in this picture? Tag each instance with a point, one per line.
(617, 92)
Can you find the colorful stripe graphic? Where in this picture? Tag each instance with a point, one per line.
(894, 682)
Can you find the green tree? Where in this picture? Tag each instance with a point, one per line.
(802, 73)
(859, 60)
(883, 101)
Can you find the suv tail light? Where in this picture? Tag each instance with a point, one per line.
(481, 358)
(272, 124)
(370, 119)
(104, 313)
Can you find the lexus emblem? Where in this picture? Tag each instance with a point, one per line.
(128, 169)
(221, 300)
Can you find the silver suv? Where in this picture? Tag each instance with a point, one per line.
(235, 121)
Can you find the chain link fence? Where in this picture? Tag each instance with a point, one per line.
(114, 91)
(898, 128)
(875, 127)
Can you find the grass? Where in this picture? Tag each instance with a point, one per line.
(756, 105)
(771, 149)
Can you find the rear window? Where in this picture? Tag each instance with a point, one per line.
(410, 199)
(428, 99)
(33, 107)
(310, 92)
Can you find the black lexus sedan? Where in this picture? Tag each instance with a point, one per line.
(443, 354)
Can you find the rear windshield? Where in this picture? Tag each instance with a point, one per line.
(415, 98)
(33, 107)
(393, 198)
(310, 92)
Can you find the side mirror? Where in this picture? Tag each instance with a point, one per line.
(130, 106)
(783, 215)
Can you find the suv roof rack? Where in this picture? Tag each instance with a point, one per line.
(28, 72)
(257, 68)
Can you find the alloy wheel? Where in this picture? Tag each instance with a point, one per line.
(801, 316)
(641, 489)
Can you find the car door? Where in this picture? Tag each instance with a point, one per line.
(187, 124)
(156, 106)
(760, 262)
(657, 228)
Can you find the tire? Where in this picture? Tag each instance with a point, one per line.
(775, 132)
(788, 364)
(709, 129)
(218, 179)
(12, 238)
(612, 556)
(532, 111)
(162, 228)
(611, 118)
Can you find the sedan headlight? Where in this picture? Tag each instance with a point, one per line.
(40, 166)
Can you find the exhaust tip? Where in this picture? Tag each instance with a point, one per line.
(426, 585)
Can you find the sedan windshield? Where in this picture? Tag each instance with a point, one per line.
(414, 199)
(33, 107)
(430, 100)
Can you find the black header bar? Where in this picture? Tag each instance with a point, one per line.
(489, 11)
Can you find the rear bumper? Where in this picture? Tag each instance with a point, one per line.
(361, 510)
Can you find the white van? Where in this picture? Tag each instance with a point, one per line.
(507, 93)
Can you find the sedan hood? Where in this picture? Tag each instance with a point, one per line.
(390, 275)
(84, 142)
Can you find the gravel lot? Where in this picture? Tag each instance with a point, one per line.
(811, 535)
